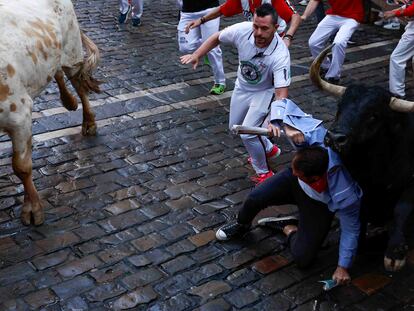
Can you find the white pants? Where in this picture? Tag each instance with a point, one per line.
(398, 61)
(190, 42)
(251, 109)
(344, 27)
(137, 7)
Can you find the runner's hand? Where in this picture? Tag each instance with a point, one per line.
(193, 24)
(273, 130)
(189, 59)
(341, 276)
(295, 135)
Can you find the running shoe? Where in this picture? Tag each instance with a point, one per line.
(218, 89)
(123, 17)
(231, 230)
(259, 178)
(278, 223)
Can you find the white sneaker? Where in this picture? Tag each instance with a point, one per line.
(392, 26)
(303, 2)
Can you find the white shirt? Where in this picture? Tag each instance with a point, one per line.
(258, 70)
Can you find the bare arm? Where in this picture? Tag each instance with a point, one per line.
(197, 22)
(294, 24)
(206, 47)
(310, 8)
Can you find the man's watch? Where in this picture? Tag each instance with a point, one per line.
(289, 37)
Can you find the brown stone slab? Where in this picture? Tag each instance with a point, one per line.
(370, 283)
(270, 264)
(202, 238)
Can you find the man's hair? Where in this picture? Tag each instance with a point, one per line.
(265, 10)
(311, 161)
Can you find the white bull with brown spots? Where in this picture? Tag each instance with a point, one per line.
(40, 40)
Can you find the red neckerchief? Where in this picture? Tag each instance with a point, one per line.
(320, 185)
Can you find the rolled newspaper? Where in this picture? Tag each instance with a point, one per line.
(241, 129)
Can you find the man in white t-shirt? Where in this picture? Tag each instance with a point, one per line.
(263, 74)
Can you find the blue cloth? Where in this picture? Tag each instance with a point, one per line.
(344, 193)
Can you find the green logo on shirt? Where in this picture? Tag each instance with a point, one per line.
(250, 72)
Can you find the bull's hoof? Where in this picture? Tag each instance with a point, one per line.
(32, 213)
(89, 129)
(38, 218)
(26, 218)
(395, 256)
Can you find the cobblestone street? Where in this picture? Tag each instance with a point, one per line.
(131, 213)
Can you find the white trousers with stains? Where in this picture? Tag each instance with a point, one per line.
(344, 28)
(398, 61)
(190, 42)
(137, 7)
(251, 109)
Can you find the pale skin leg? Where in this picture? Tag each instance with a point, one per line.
(68, 100)
(22, 165)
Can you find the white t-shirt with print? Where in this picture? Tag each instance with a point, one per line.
(259, 69)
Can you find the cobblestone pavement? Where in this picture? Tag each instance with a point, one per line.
(131, 213)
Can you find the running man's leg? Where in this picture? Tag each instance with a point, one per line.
(215, 55)
(257, 146)
(137, 8)
(314, 223)
(347, 28)
(188, 42)
(398, 61)
(276, 190)
(321, 35)
(123, 6)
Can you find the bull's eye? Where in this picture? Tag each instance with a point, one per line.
(372, 118)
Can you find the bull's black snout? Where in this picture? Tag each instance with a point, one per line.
(335, 139)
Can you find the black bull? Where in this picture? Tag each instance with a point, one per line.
(374, 136)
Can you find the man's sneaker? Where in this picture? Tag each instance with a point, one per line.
(271, 155)
(274, 153)
(303, 2)
(136, 21)
(231, 230)
(392, 26)
(218, 89)
(278, 223)
(258, 179)
(379, 22)
(123, 17)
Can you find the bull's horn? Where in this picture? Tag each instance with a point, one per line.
(333, 89)
(401, 105)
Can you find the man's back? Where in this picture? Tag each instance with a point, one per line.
(347, 8)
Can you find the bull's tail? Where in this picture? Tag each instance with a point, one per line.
(89, 64)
